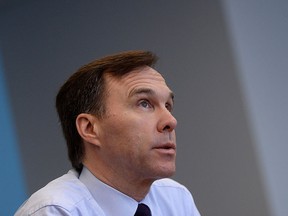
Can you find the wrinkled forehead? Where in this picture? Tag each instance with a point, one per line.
(144, 76)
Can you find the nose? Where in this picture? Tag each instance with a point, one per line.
(167, 122)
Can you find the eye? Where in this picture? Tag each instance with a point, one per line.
(169, 107)
(145, 104)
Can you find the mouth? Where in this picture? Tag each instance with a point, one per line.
(168, 148)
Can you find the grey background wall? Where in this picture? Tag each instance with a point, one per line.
(221, 155)
(259, 32)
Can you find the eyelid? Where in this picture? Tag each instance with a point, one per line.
(147, 101)
(169, 106)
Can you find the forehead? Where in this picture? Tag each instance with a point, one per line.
(145, 77)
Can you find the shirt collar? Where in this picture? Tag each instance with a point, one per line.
(111, 201)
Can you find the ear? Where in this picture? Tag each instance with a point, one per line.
(87, 128)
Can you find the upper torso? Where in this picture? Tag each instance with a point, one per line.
(73, 195)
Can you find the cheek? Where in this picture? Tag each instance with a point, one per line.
(121, 131)
(127, 125)
(127, 132)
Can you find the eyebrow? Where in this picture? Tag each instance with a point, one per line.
(147, 91)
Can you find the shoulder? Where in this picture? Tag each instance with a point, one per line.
(169, 191)
(169, 184)
(172, 196)
(65, 192)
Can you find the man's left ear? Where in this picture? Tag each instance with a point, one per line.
(87, 128)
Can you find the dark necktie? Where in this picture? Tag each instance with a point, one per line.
(142, 210)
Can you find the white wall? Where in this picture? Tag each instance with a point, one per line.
(259, 36)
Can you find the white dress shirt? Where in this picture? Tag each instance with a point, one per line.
(85, 195)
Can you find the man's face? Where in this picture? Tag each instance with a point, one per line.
(137, 133)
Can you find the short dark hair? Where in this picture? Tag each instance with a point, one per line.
(84, 92)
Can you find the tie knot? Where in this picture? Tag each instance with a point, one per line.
(142, 210)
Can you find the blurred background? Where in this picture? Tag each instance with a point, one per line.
(226, 61)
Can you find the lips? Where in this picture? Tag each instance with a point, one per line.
(167, 147)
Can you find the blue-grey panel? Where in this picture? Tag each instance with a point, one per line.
(12, 186)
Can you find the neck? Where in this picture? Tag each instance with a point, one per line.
(134, 187)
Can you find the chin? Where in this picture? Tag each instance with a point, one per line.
(166, 172)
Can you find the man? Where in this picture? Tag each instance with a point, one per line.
(116, 115)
